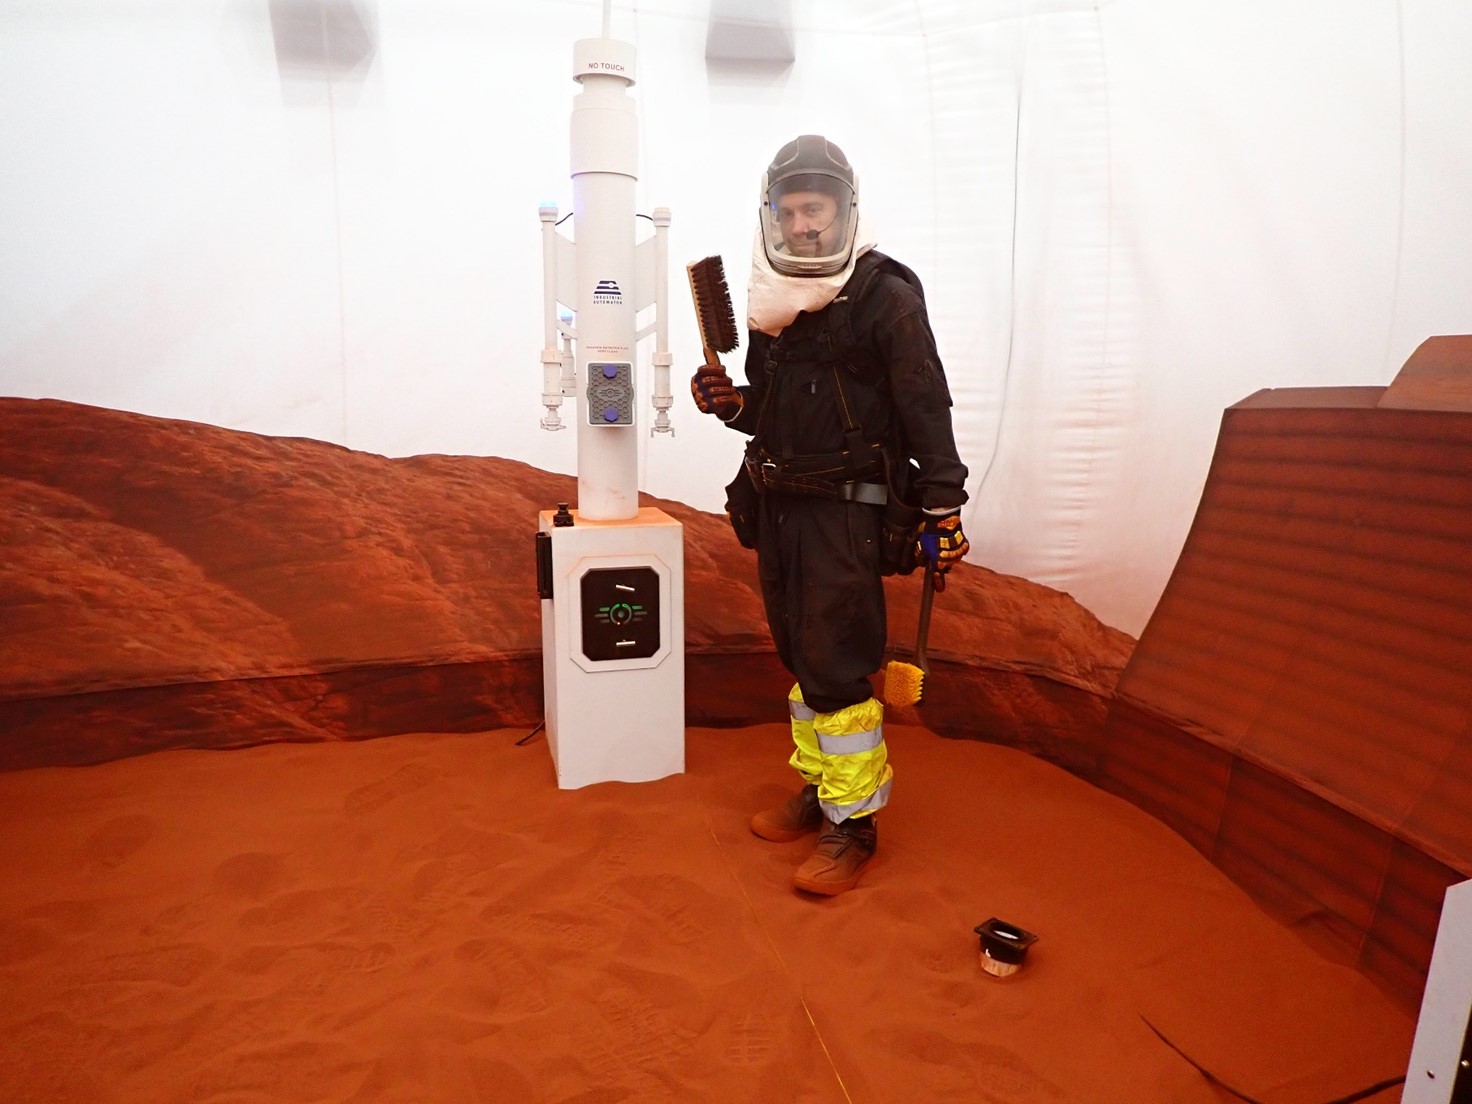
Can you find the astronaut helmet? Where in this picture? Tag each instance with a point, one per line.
(810, 208)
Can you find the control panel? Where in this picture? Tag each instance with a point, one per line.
(610, 393)
(620, 613)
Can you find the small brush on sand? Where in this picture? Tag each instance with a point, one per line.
(904, 683)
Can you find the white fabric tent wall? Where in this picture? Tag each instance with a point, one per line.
(1127, 215)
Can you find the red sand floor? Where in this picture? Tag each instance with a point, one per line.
(427, 918)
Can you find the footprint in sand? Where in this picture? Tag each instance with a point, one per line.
(754, 1039)
(987, 1073)
(357, 958)
(177, 965)
(302, 914)
(289, 1070)
(681, 908)
(119, 839)
(501, 985)
(633, 1033)
(19, 942)
(630, 1008)
(375, 795)
(495, 1079)
(256, 960)
(384, 915)
(253, 875)
(561, 929)
(438, 886)
(311, 971)
(473, 950)
(70, 917)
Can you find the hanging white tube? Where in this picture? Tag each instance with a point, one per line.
(551, 358)
(569, 362)
(661, 396)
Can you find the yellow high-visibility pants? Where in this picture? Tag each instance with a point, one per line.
(843, 754)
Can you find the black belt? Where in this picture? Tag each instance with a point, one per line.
(769, 475)
(875, 494)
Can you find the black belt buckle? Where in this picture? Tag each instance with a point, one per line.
(762, 473)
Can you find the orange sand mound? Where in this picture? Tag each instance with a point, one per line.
(427, 918)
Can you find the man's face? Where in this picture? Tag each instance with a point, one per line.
(809, 223)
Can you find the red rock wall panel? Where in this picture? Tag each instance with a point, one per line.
(170, 584)
(1351, 889)
(1319, 620)
(1300, 704)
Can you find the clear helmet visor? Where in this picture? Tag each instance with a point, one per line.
(808, 224)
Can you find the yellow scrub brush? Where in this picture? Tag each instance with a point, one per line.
(904, 683)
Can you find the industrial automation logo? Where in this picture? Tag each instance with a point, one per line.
(608, 291)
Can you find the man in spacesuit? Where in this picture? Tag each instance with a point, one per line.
(850, 473)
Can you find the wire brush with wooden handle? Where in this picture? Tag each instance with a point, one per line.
(713, 310)
(711, 387)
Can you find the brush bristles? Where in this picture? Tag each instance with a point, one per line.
(713, 308)
(904, 684)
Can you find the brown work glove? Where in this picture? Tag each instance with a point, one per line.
(714, 393)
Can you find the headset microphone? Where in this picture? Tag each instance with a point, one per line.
(812, 235)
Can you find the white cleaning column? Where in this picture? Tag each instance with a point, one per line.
(611, 575)
(605, 148)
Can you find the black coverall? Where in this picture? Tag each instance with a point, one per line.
(818, 558)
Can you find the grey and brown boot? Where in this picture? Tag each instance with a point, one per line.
(793, 819)
(844, 850)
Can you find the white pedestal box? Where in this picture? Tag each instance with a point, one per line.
(613, 646)
(1441, 1057)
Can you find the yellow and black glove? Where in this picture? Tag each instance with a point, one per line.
(941, 543)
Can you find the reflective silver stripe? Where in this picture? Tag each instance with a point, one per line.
(876, 800)
(800, 711)
(854, 743)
